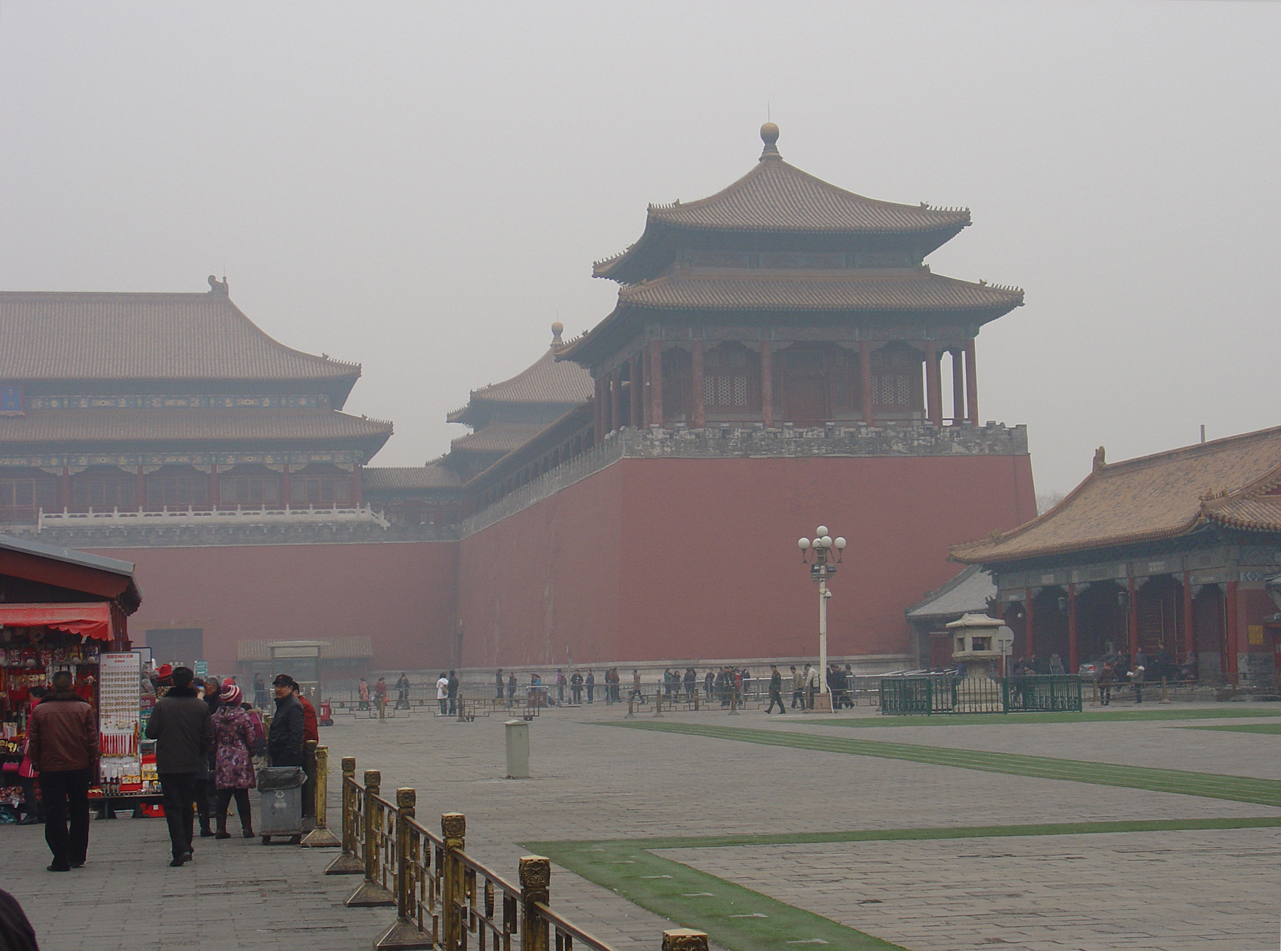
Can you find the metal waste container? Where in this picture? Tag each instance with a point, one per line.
(280, 789)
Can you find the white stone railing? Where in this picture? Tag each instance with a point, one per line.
(190, 517)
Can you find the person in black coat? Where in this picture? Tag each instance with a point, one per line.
(287, 734)
(183, 731)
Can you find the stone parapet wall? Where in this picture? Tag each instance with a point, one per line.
(153, 536)
(757, 442)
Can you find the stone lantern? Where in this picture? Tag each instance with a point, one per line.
(977, 643)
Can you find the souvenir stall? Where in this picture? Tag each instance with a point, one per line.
(62, 610)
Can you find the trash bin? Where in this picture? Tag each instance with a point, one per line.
(280, 789)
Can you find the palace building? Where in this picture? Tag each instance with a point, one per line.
(780, 355)
(1176, 554)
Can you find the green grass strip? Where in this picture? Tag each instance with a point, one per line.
(734, 917)
(729, 913)
(1265, 792)
(1272, 728)
(1126, 715)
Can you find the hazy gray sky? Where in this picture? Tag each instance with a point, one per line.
(422, 188)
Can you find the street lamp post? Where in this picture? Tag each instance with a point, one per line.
(817, 553)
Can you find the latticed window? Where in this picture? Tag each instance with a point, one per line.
(725, 373)
(256, 490)
(177, 492)
(892, 370)
(102, 493)
(311, 490)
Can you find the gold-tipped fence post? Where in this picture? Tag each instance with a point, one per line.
(309, 787)
(321, 837)
(370, 893)
(403, 934)
(453, 829)
(684, 939)
(535, 889)
(348, 863)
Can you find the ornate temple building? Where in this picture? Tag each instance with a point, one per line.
(1174, 554)
(780, 356)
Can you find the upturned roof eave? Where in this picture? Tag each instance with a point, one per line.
(977, 557)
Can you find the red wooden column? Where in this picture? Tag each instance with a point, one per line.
(355, 486)
(1231, 640)
(64, 489)
(767, 384)
(865, 379)
(700, 407)
(971, 384)
(286, 487)
(139, 490)
(933, 386)
(635, 392)
(656, 382)
(647, 404)
(598, 418)
(213, 486)
(1189, 617)
(1029, 624)
(1073, 654)
(958, 390)
(1134, 618)
(616, 398)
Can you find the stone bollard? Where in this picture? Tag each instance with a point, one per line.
(535, 889)
(453, 829)
(320, 837)
(370, 893)
(403, 934)
(309, 787)
(348, 863)
(658, 701)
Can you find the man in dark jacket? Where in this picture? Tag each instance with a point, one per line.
(288, 728)
(183, 730)
(63, 746)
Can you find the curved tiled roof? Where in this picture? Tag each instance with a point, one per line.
(544, 381)
(500, 437)
(67, 427)
(828, 291)
(1150, 498)
(776, 196)
(65, 336)
(431, 476)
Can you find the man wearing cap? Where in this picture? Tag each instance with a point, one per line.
(63, 745)
(181, 726)
(288, 728)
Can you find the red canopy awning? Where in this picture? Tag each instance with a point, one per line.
(92, 619)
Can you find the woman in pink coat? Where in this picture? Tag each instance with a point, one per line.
(234, 738)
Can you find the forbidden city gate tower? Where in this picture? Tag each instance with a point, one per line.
(783, 299)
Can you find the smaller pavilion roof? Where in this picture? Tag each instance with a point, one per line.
(403, 478)
(967, 593)
(543, 382)
(501, 437)
(1233, 482)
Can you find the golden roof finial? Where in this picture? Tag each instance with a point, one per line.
(557, 329)
(769, 135)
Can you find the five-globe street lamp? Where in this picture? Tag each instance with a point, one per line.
(817, 553)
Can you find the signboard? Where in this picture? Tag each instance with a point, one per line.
(119, 726)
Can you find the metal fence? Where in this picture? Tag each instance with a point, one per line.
(945, 694)
(443, 897)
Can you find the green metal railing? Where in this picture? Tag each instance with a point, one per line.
(945, 694)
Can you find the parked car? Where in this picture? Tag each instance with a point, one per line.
(1089, 670)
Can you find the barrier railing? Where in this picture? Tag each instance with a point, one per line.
(945, 694)
(445, 898)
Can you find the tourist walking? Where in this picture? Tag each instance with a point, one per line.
(183, 730)
(498, 684)
(260, 691)
(1106, 678)
(364, 694)
(234, 744)
(62, 737)
(442, 692)
(1136, 678)
(576, 686)
(798, 688)
(811, 686)
(775, 690)
(380, 695)
(453, 693)
(206, 793)
(402, 692)
(511, 687)
(590, 682)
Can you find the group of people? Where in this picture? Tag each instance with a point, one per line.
(380, 692)
(206, 735)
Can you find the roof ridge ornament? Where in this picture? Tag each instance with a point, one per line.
(218, 288)
(769, 135)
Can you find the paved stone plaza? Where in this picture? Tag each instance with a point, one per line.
(757, 843)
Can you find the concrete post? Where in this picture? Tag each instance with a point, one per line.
(517, 749)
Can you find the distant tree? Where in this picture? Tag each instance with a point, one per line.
(1046, 501)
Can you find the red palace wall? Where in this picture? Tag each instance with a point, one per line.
(399, 594)
(690, 559)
